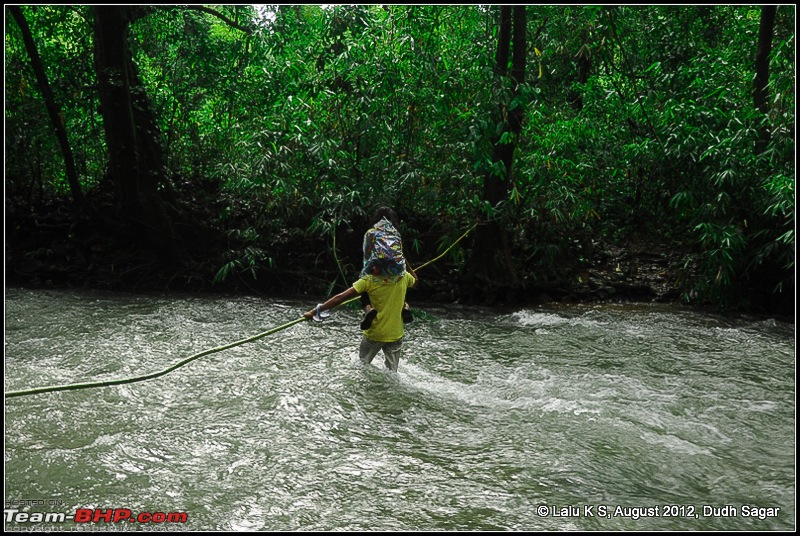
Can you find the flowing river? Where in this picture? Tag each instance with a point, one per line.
(610, 417)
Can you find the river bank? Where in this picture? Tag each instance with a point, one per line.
(55, 246)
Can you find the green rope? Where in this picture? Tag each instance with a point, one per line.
(459, 239)
(120, 381)
(104, 383)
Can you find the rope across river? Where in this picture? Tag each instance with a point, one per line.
(186, 361)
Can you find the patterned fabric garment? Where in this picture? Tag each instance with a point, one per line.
(383, 252)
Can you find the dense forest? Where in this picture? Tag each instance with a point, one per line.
(605, 152)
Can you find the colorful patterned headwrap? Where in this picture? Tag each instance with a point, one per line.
(383, 252)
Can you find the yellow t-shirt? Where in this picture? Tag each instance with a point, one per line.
(388, 298)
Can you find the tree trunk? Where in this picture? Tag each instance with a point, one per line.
(574, 96)
(135, 155)
(503, 41)
(491, 270)
(496, 185)
(760, 95)
(53, 109)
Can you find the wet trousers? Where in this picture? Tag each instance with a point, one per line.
(391, 352)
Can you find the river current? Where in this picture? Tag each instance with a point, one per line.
(608, 417)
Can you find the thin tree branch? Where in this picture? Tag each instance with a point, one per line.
(135, 13)
(220, 16)
(53, 109)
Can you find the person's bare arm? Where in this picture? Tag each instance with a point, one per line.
(411, 271)
(335, 301)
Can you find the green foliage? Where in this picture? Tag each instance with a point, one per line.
(634, 115)
(63, 36)
(250, 262)
(738, 203)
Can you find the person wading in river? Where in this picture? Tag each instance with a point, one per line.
(386, 291)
